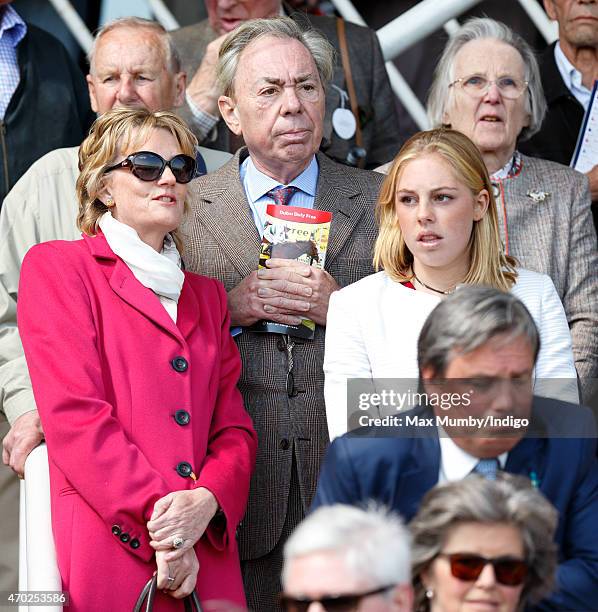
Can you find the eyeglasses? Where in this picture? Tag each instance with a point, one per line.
(467, 567)
(330, 603)
(148, 166)
(476, 86)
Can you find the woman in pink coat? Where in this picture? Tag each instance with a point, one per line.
(134, 373)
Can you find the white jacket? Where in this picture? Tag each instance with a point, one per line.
(373, 327)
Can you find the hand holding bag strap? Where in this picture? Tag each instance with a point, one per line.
(346, 61)
(148, 595)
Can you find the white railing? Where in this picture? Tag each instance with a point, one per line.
(38, 570)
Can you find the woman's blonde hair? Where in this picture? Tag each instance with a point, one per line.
(488, 263)
(113, 135)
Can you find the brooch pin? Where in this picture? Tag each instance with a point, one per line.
(538, 196)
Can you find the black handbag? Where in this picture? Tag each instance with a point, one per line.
(148, 595)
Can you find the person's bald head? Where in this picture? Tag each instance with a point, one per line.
(133, 64)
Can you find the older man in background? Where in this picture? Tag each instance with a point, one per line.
(374, 141)
(348, 558)
(478, 347)
(273, 74)
(132, 64)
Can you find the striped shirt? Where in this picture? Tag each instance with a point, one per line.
(12, 31)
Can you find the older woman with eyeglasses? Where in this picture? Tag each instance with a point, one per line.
(134, 373)
(487, 85)
(483, 545)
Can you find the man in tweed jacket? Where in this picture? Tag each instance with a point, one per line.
(198, 45)
(274, 97)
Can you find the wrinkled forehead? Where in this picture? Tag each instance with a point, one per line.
(130, 49)
(488, 57)
(274, 59)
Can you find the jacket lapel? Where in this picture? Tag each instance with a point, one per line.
(219, 203)
(128, 288)
(338, 196)
(189, 311)
(419, 476)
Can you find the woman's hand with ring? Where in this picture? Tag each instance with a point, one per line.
(181, 514)
(177, 578)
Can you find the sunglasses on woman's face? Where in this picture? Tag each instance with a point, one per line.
(148, 166)
(330, 603)
(468, 567)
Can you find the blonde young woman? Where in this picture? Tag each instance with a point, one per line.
(438, 229)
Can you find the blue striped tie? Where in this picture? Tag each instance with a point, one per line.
(487, 468)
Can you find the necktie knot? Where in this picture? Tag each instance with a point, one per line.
(282, 195)
(487, 468)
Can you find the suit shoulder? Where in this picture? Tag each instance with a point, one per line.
(564, 420)
(367, 178)
(364, 446)
(190, 32)
(557, 172)
(45, 40)
(328, 25)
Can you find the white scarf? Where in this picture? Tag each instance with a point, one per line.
(160, 272)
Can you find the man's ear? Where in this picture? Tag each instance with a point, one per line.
(92, 93)
(180, 83)
(402, 598)
(427, 373)
(228, 110)
(549, 8)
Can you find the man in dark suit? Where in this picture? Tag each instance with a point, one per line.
(198, 47)
(568, 68)
(485, 343)
(274, 98)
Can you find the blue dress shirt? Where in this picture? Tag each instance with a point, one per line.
(12, 31)
(257, 185)
(572, 77)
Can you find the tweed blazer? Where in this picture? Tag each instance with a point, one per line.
(377, 103)
(548, 228)
(221, 240)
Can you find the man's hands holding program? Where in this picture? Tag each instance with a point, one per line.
(287, 291)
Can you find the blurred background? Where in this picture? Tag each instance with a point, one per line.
(415, 64)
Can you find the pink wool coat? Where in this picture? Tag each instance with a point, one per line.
(130, 403)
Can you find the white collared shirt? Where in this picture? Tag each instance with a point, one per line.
(572, 77)
(455, 463)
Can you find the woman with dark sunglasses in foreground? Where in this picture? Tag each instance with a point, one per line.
(483, 545)
(134, 373)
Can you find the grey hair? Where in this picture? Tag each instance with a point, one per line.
(373, 542)
(478, 28)
(467, 319)
(172, 59)
(509, 500)
(279, 27)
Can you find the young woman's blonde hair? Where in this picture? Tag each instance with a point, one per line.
(488, 263)
(112, 137)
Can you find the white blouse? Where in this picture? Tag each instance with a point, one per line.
(373, 327)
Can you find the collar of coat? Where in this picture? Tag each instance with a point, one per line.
(144, 300)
